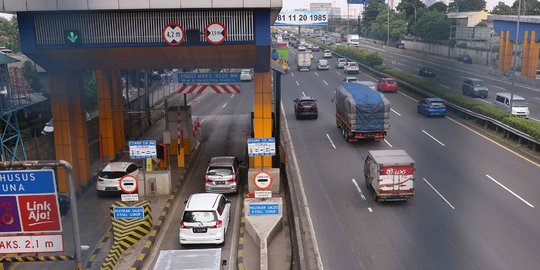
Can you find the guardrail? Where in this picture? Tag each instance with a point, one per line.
(517, 133)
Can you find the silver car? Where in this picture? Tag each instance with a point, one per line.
(223, 175)
(341, 62)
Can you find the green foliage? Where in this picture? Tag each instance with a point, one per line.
(467, 5)
(411, 9)
(371, 11)
(366, 57)
(31, 75)
(433, 25)
(502, 9)
(529, 7)
(9, 34)
(526, 125)
(398, 26)
(481, 24)
(439, 6)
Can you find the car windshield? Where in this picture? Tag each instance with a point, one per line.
(307, 103)
(111, 175)
(479, 84)
(390, 82)
(219, 170)
(342, 60)
(520, 103)
(352, 79)
(437, 104)
(353, 64)
(199, 216)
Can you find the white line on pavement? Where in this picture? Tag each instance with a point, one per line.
(224, 105)
(408, 96)
(387, 143)
(338, 73)
(370, 210)
(331, 142)
(292, 74)
(536, 98)
(297, 83)
(358, 188)
(439, 193)
(325, 82)
(394, 111)
(303, 94)
(316, 73)
(232, 95)
(401, 64)
(447, 87)
(507, 189)
(534, 119)
(202, 121)
(433, 137)
(483, 100)
(494, 86)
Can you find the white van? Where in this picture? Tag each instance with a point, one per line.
(519, 107)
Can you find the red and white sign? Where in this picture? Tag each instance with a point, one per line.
(262, 180)
(129, 184)
(40, 213)
(173, 34)
(215, 33)
(31, 243)
(209, 88)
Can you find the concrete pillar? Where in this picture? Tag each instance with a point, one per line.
(64, 131)
(117, 111)
(106, 127)
(502, 53)
(262, 118)
(525, 72)
(533, 55)
(78, 108)
(508, 52)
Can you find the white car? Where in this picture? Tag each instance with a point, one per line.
(246, 75)
(350, 79)
(301, 48)
(205, 219)
(352, 67)
(108, 180)
(322, 64)
(341, 63)
(327, 54)
(48, 128)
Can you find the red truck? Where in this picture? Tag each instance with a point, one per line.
(390, 175)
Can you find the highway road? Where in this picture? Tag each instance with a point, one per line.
(476, 200)
(450, 74)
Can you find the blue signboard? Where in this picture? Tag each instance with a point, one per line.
(301, 18)
(261, 147)
(142, 149)
(27, 182)
(269, 209)
(357, 2)
(212, 77)
(128, 212)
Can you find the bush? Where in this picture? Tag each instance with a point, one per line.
(525, 125)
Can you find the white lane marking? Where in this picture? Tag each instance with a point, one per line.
(413, 99)
(433, 137)
(325, 82)
(439, 193)
(401, 64)
(395, 112)
(536, 98)
(398, 69)
(302, 191)
(483, 100)
(338, 73)
(316, 73)
(232, 95)
(464, 77)
(507, 189)
(387, 143)
(447, 87)
(292, 74)
(370, 210)
(358, 188)
(416, 76)
(303, 94)
(297, 83)
(202, 121)
(494, 86)
(534, 119)
(331, 142)
(224, 105)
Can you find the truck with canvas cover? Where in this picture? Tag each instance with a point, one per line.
(361, 113)
(303, 61)
(390, 175)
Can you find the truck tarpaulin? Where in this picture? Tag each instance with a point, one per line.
(366, 110)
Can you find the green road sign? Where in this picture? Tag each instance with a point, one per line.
(72, 37)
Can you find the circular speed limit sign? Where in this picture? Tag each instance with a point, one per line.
(263, 180)
(215, 33)
(173, 34)
(128, 184)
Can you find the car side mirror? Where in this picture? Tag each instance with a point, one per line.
(228, 201)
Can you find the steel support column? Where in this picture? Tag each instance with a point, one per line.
(78, 111)
(525, 62)
(117, 111)
(262, 118)
(106, 126)
(502, 53)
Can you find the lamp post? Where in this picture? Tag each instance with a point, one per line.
(388, 31)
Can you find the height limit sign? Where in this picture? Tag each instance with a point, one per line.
(215, 33)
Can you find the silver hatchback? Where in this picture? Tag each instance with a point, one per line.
(223, 175)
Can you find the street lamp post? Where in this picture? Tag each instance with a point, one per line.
(515, 60)
(388, 31)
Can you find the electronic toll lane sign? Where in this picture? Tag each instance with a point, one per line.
(28, 202)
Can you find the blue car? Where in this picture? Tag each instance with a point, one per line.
(431, 107)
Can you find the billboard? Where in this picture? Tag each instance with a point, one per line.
(301, 18)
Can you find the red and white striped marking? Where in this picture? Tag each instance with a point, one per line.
(209, 88)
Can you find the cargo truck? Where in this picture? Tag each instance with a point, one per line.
(303, 61)
(353, 40)
(361, 113)
(390, 175)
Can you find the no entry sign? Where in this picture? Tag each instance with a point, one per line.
(173, 34)
(215, 33)
(128, 184)
(263, 180)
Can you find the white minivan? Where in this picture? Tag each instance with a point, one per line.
(519, 107)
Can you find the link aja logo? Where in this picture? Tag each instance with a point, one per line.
(39, 213)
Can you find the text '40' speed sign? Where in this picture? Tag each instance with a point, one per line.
(215, 33)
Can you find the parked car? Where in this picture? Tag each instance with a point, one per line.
(246, 75)
(474, 88)
(519, 106)
(431, 107)
(223, 175)
(341, 62)
(350, 79)
(108, 180)
(352, 67)
(400, 45)
(205, 219)
(464, 58)
(387, 85)
(426, 72)
(327, 54)
(322, 64)
(305, 106)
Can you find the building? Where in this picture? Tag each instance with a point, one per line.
(326, 7)
(468, 19)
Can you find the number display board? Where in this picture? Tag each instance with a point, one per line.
(295, 18)
(142, 149)
(18, 244)
(261, 147)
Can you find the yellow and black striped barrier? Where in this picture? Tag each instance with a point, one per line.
(127, 231)
(54, 258)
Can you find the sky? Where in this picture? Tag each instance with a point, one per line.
(355, 9)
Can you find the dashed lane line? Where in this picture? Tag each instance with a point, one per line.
(439, 193)
(433, 138)
(331, 142)
(387, 143)
(511, 192)
(358, 188)
(394, 111)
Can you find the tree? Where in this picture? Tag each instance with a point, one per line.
(467, 5)
(411, 9)
(31, 75)
(502, 9)
(9, 34)
(433, 25)
(379, 28)
(529, 7)
(439, 6)
(371, 11)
